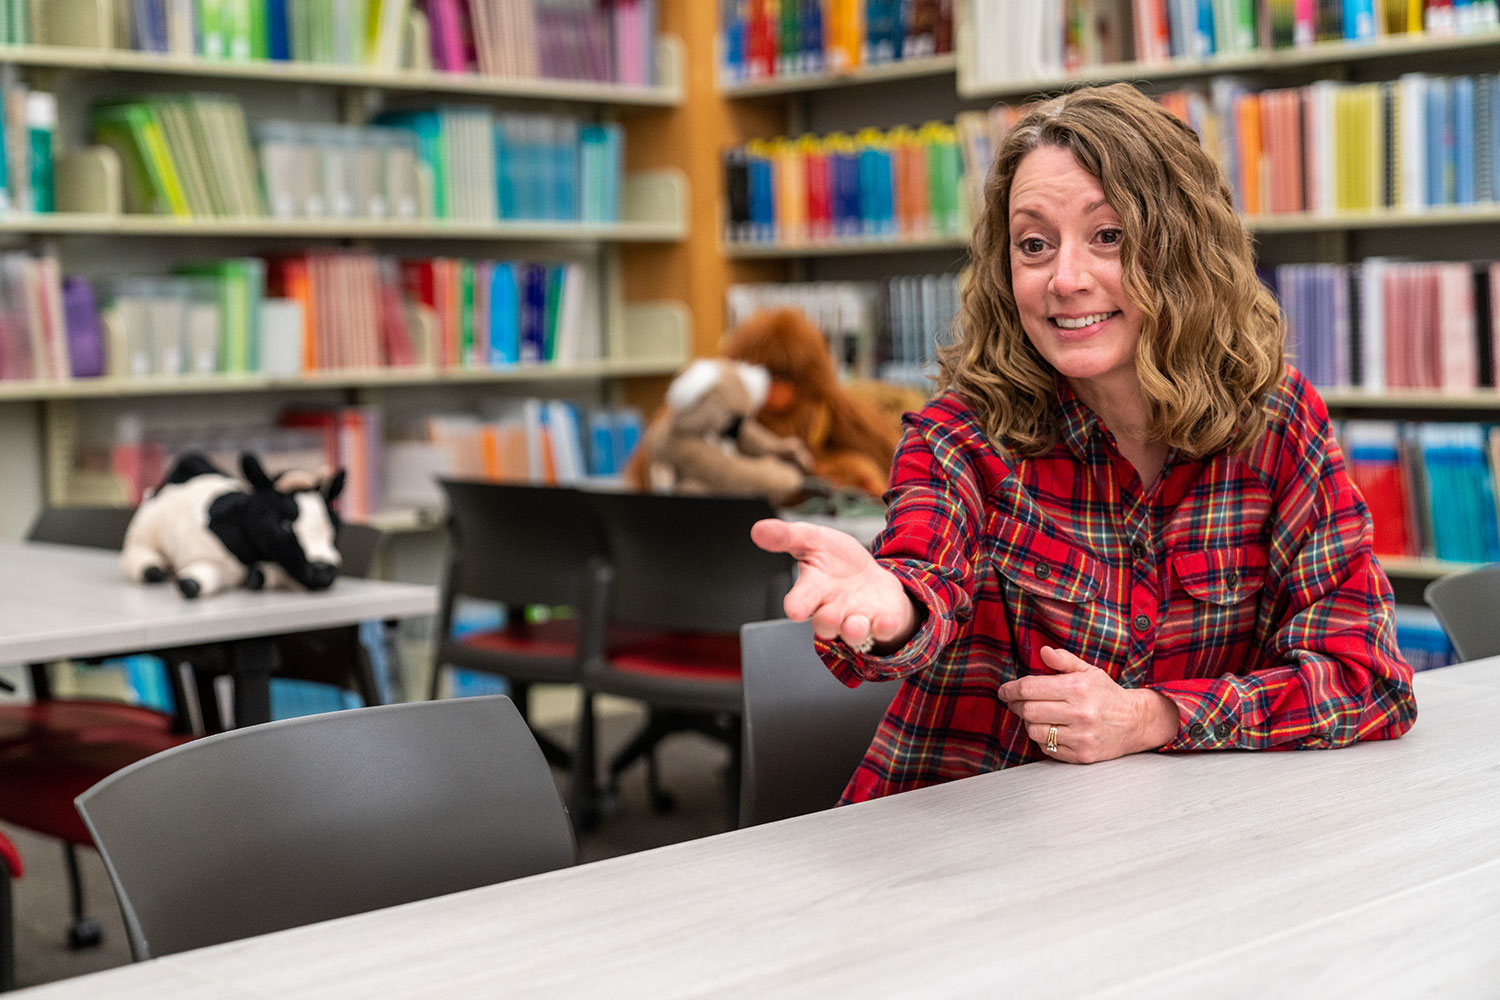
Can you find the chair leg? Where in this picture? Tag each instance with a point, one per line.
(556, 755)
(84, 932)
(659, 724)
(584, 802)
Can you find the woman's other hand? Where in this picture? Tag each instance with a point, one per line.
(1096, 718)
(840, 586)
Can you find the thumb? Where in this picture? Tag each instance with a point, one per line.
(1062, 661)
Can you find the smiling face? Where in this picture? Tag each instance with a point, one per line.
(1066, 275)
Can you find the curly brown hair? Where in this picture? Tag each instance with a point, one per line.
(1212, 337)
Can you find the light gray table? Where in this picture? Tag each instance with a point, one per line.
(1368, 871)
(62, 601)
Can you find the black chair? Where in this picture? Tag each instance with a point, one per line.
(308, 819)
(1468, 606)
(53, 748)
(519, 546)
(682, 577)
(10, 870)
(804, 731)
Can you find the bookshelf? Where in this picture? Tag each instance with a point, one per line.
(645, 338)
(895, 95)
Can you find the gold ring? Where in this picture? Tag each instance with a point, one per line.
(1052, 739)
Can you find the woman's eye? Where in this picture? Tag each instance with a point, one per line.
(1112, 236)
(1032, 245)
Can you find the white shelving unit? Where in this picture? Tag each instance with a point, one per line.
(43, 423)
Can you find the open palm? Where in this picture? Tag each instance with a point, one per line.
(840, 586)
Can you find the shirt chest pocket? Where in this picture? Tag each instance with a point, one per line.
(1222, 577)
(1051, 588)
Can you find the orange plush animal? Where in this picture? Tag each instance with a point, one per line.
(851, 441)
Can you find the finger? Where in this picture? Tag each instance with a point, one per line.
(855, 630)
(1032, 687)
(811, 591)
(1048, 712)
(827, 620)
(1063, 661)
(797, 539)
(1042, 732)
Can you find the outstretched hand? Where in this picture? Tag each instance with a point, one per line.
(840, 586)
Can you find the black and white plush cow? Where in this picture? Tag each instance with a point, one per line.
(212, 532)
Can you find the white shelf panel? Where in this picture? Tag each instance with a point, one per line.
(163, 385)
(1407, 568)
(1476, 400)
(901, 69)
(428, 229)
(1328, 54)
(127, 61)
(838, 248)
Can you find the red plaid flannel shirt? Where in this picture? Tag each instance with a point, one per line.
(1242, 587)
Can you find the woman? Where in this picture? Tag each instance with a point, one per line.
(1123, 524)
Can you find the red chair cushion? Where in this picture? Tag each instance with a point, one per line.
(66, 717)
(40, 779)
(685, 655)
(10, 858)
(558, 638)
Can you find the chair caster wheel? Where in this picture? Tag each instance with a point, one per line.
(85, 933)
(663, 802)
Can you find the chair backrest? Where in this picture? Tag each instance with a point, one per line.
(95, 527)
(516, 544)
(359, 546)
(804, 731)
(687, 562)
(292, 822)
(1468, 605)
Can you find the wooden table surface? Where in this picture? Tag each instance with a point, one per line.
(1368, 871)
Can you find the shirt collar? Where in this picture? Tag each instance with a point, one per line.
(1076, 423)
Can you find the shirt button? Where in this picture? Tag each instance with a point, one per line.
(1222, 730)
(1142, 623)
(1138, 549)
(1232, 579)
(1196, 731)
(1043, 570)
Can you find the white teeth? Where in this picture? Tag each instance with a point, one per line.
(1082, 321)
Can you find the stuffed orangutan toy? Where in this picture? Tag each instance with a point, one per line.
(705, 438)
(852, 442)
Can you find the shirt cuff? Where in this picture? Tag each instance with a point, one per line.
(931, 636)
(1210, 719)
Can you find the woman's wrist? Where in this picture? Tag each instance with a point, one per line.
(1160, 719)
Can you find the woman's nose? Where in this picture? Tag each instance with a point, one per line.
(1070, 272)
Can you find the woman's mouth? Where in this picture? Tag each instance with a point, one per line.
(1079, 324)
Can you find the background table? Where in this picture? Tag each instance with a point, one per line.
(1370, 871)
(62, 601)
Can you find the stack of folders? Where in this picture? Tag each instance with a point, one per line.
(888, 329)
(315, 171)
(1383, 324)
(1430, 487)
(183, 155)
(761, 39)
(567, 39)
(537, 441)
(903, 183)
(28, 127)
(42, 335)
(516, 166)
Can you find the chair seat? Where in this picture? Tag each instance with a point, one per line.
(556, 638)
(695, 656)
(40, 779)
(61, 718)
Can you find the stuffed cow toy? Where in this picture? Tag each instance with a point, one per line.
(212, 532)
